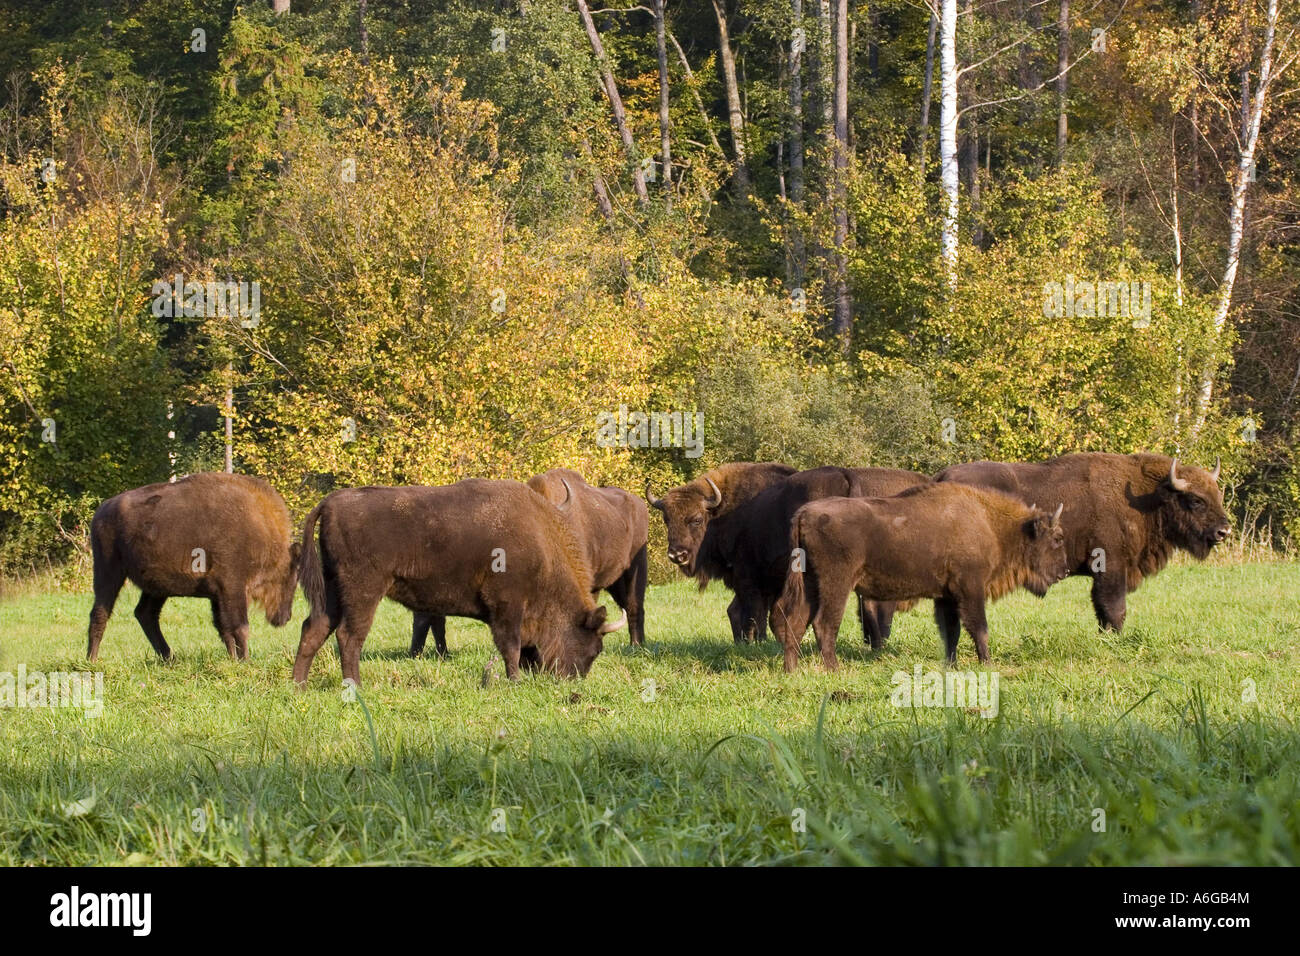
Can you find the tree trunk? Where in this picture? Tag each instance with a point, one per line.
(948, 136)
(1062, 79)
(843, 314)
(797, 43)
(615, 102)
(699, 103)
(665, 132)
(972, 142)
(279, 6)
(1236, 227)
(735, 114)
(927, 90)
(365, 34)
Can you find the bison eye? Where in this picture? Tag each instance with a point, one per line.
(1194, 504)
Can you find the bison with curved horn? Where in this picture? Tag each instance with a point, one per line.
(494, 551)
(749, 550)
(690, 509)
(1124, 514)
(227, 538)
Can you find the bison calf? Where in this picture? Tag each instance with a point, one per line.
(959, 545)
(223, 537)
(494, 551)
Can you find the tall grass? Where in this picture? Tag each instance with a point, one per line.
(1174, 742)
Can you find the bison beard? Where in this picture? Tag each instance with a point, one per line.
(747, 548)
(1124, 514)
(490, 550)
(223, 537)
(960, 546)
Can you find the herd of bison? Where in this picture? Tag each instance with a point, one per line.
(529, 559)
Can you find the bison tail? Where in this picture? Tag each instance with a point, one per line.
(310, 573)
(792, 610)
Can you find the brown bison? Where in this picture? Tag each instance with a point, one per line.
(688, 510)
(748, 549)
(494, 551)
(612, 526)
(227, 538)
(960, 546)
(1124, 514)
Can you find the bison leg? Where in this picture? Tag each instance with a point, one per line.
(949, 621)
(146, 612)
(505, 634)
(230, 616)
(628, 593)
(1109, 601)
(873, 634)
(884, 621)
(530, 658)
(738, 614)
(352, 635)
(315, 629)
(421, 623)
(109, 578)
(972, 616)
(826, 624)
(762, 609)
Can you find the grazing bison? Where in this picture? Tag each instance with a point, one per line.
(611, 525)
(749, 548)
(1124, 514)
(227, 538)
(494, 551)
(959, 545)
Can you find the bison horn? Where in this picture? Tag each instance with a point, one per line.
(1214, 475)
(717, 495)
(1178, 484)
(568, 496)
(1056, 516)
(649, 496)
(618, 625)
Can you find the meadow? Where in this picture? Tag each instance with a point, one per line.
(1175, 742)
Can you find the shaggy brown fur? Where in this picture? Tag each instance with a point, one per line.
(1119, 509)
(433, 550)
(610, 523)
(749, 547)
(960, 546)
(223, 537)
(688, 509)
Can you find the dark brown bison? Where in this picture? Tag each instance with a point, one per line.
(494, 551)
(748, 549)
(612, 526)
(227, 538)
(959, 545)
(1124, 514)
(688, 510)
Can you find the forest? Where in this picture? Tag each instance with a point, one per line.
(401, 242)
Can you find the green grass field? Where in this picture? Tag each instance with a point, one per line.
(1181, 731)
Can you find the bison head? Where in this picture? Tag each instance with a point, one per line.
(1045, 556)
(1192, 508)
(687, 511)
(280, 606)
(584, 642)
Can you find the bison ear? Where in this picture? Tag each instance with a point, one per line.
(594, 618)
